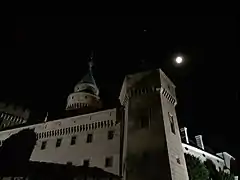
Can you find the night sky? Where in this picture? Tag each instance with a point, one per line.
(42, 58)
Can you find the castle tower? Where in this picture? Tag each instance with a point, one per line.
(85, 98)
(152, 146)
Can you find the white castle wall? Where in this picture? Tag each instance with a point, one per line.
(98, 124)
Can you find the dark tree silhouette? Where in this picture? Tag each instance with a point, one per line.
(16, 151)
(196, 169)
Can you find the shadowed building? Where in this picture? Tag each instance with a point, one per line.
(11, 115)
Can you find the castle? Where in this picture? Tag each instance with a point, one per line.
(138, 140)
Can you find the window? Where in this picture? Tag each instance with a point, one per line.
(109, 162)
(178, 160)
(86, 162)
(73, 140)
(44, 144)
(186, 148)
(58, 143)
(89, 138)
(110, 134)
(172, 123)
(144, 122)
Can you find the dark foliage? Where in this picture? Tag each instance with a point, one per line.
(196, 169)
(215, 174)
(16, 151)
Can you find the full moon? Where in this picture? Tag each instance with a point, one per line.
(179, 60)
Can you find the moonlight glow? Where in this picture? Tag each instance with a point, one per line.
(179, 60)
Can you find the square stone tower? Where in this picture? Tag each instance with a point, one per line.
(151, 143)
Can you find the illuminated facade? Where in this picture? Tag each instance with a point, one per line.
(139, 140)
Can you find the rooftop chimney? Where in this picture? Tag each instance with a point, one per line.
(199, 141)
(184, 135)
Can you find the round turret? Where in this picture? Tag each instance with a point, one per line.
(85, 97)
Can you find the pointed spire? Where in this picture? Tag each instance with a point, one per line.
(89, 76)
(90, 63)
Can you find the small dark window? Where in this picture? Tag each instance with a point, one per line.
(169, 87)
(144, 122)
(89, 138)
(58, 143)
(172, 123)
(110, 134)
(186, 148)
(73, 140)
(44, 144)
(204, 155)
(109, 162)
(86, 162)
(178, 161)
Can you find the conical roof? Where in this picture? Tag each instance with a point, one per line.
(87, 82)
(88, 78)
